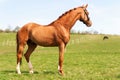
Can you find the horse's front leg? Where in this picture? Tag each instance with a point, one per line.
(61, 58)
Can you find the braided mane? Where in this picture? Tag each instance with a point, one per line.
(64, 14)
(67, 12)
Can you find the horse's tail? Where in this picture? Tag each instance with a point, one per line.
(19, 53)
(17, 42)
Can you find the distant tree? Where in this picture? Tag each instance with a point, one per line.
(1, 30)
(16, 29)
(8, 29)
(79, 32)
(72, 31)
(95, 32)
(85, 32)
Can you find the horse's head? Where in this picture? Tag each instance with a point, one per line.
(84, 16)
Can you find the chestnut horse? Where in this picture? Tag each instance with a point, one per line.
(56, 33)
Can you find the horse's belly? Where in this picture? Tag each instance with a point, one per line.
(44, 41)
(43, 36)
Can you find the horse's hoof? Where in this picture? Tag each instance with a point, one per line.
(31, 72)
(61, 72)
(19, 73)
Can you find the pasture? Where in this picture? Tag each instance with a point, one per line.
(87, 57)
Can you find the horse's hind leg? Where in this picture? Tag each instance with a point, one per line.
(20, 48)
(31, 48)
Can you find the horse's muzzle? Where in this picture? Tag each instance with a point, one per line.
(89, 24)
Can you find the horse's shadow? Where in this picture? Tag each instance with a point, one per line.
(14, 72)
(48, 72)
(8, 71)
(27, 72)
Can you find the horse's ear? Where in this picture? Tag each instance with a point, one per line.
(85, 6)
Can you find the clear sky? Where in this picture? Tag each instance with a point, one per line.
(104, 14)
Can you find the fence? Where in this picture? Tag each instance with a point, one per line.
(8, 42)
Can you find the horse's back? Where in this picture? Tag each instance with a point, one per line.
(30, 26)
(43, 35)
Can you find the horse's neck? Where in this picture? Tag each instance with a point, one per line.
(67, 20)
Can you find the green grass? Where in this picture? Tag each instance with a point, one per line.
(87, 57)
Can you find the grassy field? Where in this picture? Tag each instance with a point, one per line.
(87, 57)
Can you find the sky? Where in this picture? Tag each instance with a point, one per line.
(104, 14)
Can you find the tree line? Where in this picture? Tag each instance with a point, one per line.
(85, 32)
(9, 30)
